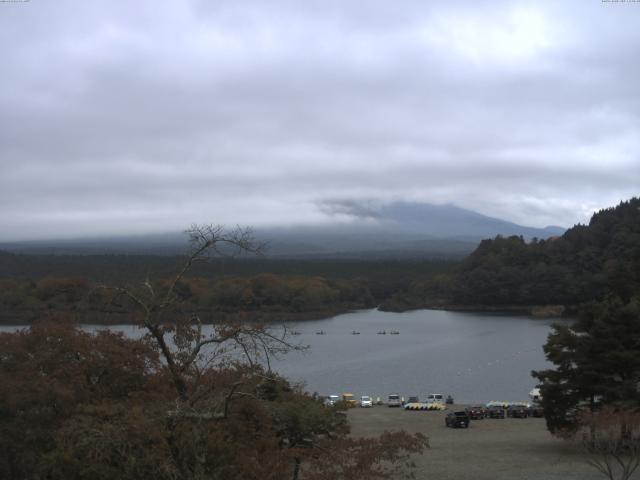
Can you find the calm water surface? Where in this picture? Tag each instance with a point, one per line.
(474, 357)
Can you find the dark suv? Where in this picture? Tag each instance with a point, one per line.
(457, 420)
(496, 412)
(476, 412)
(517, 411)
(536, 411)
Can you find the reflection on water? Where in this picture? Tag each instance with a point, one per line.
(474, 357)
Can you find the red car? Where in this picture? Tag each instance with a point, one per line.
(477, 412)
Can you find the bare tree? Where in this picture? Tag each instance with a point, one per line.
(191, 351)
(179, 334)
(185, 347)
(611, 439)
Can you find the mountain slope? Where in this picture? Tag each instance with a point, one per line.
(394, 230)
(398, 227)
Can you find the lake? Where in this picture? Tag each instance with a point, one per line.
(475, 357)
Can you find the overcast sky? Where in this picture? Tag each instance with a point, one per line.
(128, 117)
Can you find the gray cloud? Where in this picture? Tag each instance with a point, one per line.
(120, 117)
(350, 208)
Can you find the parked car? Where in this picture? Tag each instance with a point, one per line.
(394, 400)
(536, 411)
(332, 400)
(413, 399)
(366, 401)
(477, 412)
(349, 399)
(517, 411)
(457, 420)
(435, 398)
(496, 412)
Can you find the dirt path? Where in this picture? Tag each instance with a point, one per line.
(513, 449)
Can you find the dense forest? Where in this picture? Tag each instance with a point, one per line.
(265, 289)
(266, 297)
(586, 263)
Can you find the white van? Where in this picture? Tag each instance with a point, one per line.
(435, 398)
(394, 400)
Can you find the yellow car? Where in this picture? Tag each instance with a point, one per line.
(349, 399)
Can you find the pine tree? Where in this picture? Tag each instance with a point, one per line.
(597, 362)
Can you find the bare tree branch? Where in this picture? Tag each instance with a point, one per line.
(189, 341)
(611, 439)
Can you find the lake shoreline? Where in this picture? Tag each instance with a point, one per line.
(536, 311)
(271, 317)
(209, 318)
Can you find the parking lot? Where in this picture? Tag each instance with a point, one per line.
(491, 449)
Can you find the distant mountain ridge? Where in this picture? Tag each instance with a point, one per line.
(398, 229)
(443, 221)
(404, 228)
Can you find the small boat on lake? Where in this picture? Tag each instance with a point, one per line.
(382, 332)
(355, 333)
(321, 332)
(394, 332)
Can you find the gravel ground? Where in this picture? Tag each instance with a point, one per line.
(490, 449)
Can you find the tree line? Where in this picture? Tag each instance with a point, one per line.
(23, 300)
(31, 285)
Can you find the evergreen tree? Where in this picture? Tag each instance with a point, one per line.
(597, 362)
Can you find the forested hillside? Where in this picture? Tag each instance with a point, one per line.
(263, 297)
(35, 285)
(586, 263)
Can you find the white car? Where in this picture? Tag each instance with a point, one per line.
(332, 400)
(394, 400)
(366, 401)
(435, 398)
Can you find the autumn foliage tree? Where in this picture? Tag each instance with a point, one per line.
(48, 372)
